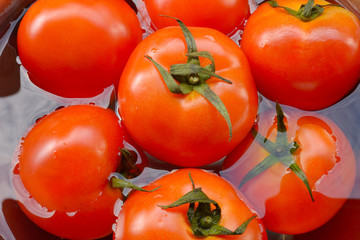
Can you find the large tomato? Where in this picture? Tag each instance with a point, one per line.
(322, 167)
(61, 172)
(306, 64)
(141, 216)
(76, 48)
(223, 15)
(186, 129)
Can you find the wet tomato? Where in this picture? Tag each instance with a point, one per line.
(297, 174)
(310, 60)
(62, 169)
(232, 15)
(196, 118)
(144, 216)
(76, 48)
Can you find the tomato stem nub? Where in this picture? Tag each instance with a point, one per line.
(280, 151)
(191, 76)
(307, 12)
(203, 219)
(128, 167)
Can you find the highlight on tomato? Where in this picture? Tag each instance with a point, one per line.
(77, 48)
(303, 53)
(187, 96)
(62, 171)
(222, 15)
(297, 169)
(188, 204)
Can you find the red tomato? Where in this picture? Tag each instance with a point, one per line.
(142, 218)
(61, 174)
(222, 15)
(324, 155)
(342, 226)
(76, 48)
(309, 65)
(186, 129)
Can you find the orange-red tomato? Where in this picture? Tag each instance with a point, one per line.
(186, 130)
(76, 48)
(308, 65)
(142, 218)
(61, 173)
(281, 198)
(232, 15)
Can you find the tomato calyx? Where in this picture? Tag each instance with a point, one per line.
(191, 76)
(280, 151)
(128, 167)
(307, 12)
(203, 218)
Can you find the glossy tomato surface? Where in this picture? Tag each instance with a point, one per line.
(76, 48)
(61, 173)
(186, 130)
(308, 65)
(142, 218)
(222, 15)
(278, 194)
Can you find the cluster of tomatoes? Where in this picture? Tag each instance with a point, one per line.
(187, 95)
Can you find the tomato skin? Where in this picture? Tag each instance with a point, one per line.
(142, 218)
(280, 197)
(233, 13)
(186, 130)
(82, 50)
(308, 65)
(61, 171)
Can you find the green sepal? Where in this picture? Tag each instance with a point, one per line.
(189, 39)
(280, 151)
(259, 168)
(188, 77)
(215, 100)
(186, 88)
(120, 183)
(264, 142)
(168, 79)
(274, 4)
(186, 69)
(194, 196)
(205, 54)
(307, 12)
(295, 168)
(281, 138)
(203, 219)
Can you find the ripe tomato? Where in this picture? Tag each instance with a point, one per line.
(342, 226)
(61, 172)
(76, 48)
(141, 217)
(323, 154)
(233, 13)
(309, 65)
(186, 129)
